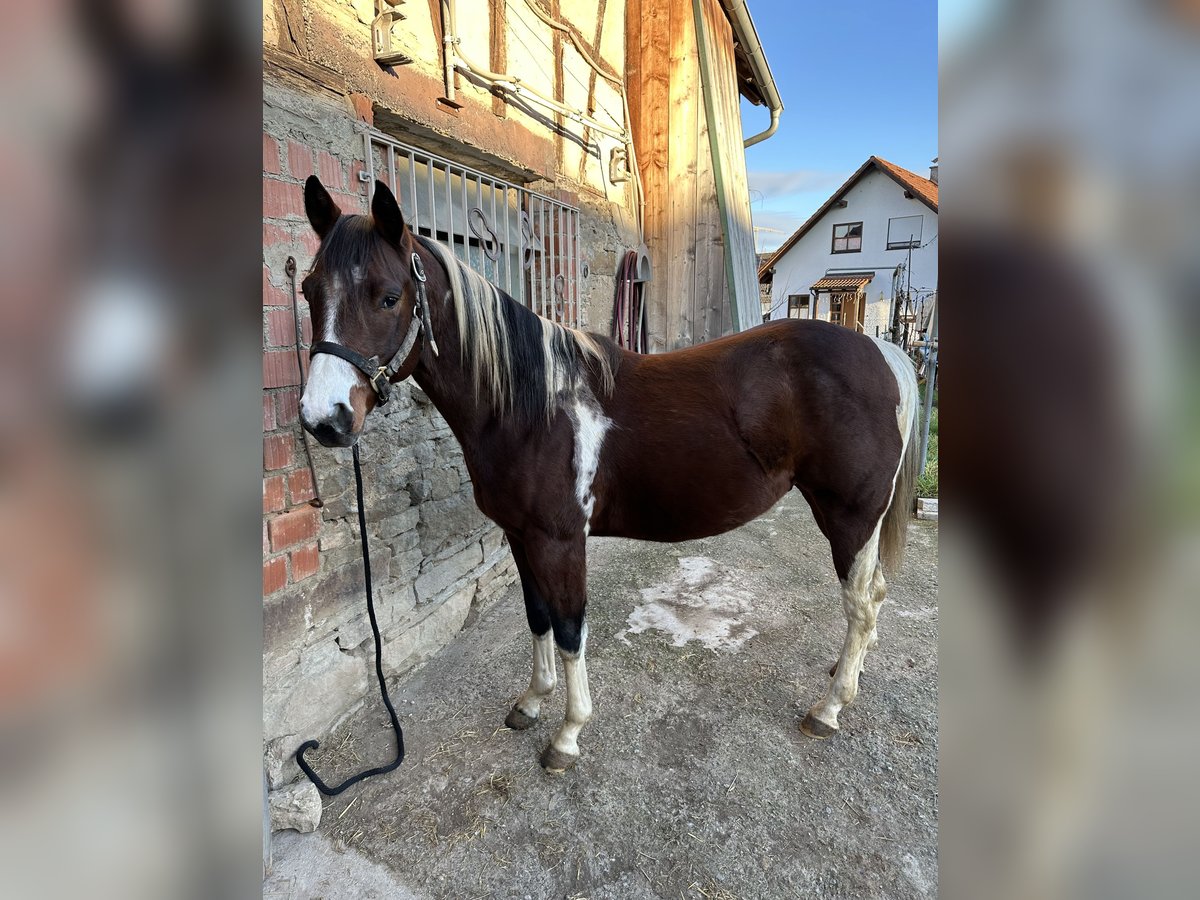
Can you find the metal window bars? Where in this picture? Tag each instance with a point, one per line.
(524, 242)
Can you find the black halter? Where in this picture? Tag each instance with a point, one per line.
(380, 376)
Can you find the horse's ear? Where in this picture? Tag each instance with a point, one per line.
(322, 211)
(389, 220)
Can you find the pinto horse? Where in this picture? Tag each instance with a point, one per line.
(565, 434)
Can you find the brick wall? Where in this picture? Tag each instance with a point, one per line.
(434, 557)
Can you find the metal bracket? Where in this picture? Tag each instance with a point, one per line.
(385, 50)
(618, 165)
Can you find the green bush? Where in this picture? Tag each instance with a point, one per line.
(927, 483)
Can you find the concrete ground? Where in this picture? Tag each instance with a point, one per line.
(695, 780)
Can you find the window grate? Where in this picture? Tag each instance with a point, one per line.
(525, 243)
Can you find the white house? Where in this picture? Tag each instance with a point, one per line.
(873, 242)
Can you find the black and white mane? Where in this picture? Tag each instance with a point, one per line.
(519, 362)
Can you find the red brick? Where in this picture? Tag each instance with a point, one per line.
(268, 412)
(274, 498)
(282, 200)
(300, 484)
(300, 160)
(270, 155)
(306, 328)
(305, 562)
(277, 451)
(311, 242)
(274, 574)
(266, 543)
(356, 167)
(347, 203)
(277, 236)
(330, 169)
(281, 328)
(280, 369)
(363, 108)
(294, 527)
(287, 407)
(273, 296)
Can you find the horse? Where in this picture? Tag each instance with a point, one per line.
(567, 435)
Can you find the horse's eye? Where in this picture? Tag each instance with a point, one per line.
(390, 300)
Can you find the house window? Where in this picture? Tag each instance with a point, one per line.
(904, 232)
(798, 306)
(847, 238)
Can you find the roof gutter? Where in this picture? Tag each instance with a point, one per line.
(746, 35)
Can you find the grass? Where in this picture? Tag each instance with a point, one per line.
(927, 483)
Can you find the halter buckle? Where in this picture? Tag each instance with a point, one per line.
(418, 268)
(381, 385)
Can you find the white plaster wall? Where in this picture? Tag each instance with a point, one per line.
(873, 200)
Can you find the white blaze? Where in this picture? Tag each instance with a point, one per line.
(330, 378)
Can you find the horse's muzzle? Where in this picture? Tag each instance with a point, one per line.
(336, 430)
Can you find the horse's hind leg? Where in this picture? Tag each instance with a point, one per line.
(863, 590)
(872, 642)
(541, 683)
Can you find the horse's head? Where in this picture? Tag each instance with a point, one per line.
(362, 291)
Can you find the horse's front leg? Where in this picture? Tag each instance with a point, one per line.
(559, 567)
(525, 711)
(563, 751)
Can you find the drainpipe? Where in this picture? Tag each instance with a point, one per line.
(746, 35)
(763, 135)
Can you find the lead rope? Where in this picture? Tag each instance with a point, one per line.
(290, 269)
(387, 701)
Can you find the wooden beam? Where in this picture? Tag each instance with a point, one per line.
(648, 45)
(682, 173)
(289, 67)
(498, 52)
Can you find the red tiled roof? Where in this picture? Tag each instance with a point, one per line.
(921, 188)
(841, 282)
(926, 190)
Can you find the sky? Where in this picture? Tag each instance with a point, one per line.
(857, 77)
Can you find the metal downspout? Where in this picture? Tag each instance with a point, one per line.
(763, 135)
(746, 35)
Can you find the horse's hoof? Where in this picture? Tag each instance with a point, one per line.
(815, 728)
(556, 762)
(518, 721)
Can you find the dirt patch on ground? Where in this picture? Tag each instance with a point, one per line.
(695, 780)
